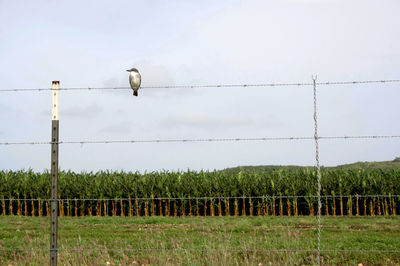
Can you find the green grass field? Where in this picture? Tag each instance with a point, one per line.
(200, 240)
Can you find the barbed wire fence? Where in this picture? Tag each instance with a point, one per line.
(133, 141)
(314, 84)
(216, 197)
(213, 85)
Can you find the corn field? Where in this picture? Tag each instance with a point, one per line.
(284, 191)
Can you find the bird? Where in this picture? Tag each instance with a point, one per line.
(135, 79)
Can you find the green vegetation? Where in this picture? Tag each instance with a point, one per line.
(232, 192)
(201, 240)
(395, 164)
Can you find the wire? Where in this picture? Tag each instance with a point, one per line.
(200, 140)
(165, 87)
(156, 140)
(203, 250)
(361, 137)
(210, 198)
(358, 82)
(211, 86)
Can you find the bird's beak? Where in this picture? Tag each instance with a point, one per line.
(128, 70)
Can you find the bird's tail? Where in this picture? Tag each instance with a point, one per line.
(135, 93)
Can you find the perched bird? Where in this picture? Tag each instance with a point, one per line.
(134, 79)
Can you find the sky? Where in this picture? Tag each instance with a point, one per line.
(92, 43)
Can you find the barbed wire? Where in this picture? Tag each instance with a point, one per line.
(205, 250)
(211, 198)
(165, 87)
(266, 228)
(200, 140)
(357, 82)
(210, 86)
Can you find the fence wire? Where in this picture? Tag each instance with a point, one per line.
(212, 198)
(136, 141)
(203, 250)
(194, 86)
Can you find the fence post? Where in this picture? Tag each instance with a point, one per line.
(316, 138)
(54, 172)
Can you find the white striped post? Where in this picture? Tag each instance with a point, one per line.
(54, 171)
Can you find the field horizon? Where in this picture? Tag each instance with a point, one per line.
(395, 163)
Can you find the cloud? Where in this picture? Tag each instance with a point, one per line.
(7, 108)
(154, 74)
(203, 121)
(114, 82)
(276, 41)
(170, 92)
(90, 111)
(120, 128)
(312, 1)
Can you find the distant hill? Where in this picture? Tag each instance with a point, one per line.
(372, 165)
(358, 165)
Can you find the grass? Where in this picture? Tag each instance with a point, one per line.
(200, 240)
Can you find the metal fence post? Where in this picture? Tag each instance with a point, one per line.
(54, 172)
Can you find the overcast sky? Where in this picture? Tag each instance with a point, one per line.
(92, 43)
